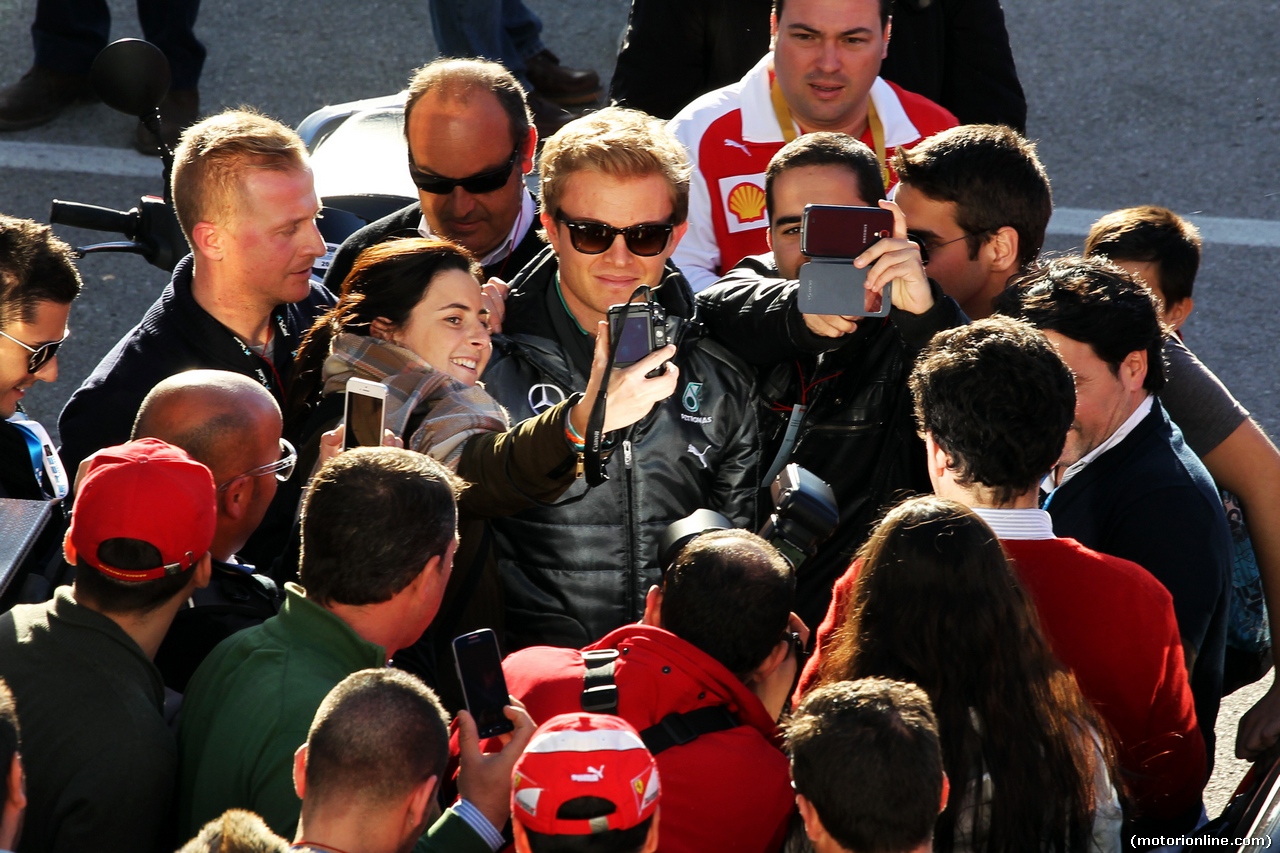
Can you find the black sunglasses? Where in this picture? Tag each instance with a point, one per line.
(41, 355)
(485, 182)
(594, 238)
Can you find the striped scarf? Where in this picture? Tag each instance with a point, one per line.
(454, 412)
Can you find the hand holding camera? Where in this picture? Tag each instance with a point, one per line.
(632, 390)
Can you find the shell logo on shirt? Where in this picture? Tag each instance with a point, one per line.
(743, 198)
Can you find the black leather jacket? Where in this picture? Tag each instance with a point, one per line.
(859, 432)
(576, 570)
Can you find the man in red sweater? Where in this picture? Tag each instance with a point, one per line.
(703, 678)
(994, 401)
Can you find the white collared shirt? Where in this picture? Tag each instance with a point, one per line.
(524, 221)
(1025, 524)
(1144, 409)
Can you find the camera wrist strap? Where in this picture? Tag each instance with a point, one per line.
(593, 452)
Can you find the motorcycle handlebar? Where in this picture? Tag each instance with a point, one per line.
(93, 217)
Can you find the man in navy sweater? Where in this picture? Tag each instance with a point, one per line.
(1127, 484)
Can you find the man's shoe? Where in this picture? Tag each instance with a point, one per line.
(178, 111)
(39, 96)
(555, 82)
(548, 117)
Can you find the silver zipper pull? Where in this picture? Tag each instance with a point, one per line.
(626, 453)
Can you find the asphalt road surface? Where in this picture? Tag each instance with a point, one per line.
(1134, 102)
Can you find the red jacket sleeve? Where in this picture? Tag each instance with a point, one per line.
(837, 612)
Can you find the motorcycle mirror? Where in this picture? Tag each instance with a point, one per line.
(132, 76)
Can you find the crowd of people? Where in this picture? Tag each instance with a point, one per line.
(1057, 528)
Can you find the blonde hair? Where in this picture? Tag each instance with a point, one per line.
(211, 161)
(620, 143)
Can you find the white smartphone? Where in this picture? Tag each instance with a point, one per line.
(364, 413)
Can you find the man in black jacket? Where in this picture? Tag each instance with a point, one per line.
(615, 190)
(230, 424)
(1127, 484)
(38, 283)
(841, 380)
(241, 301)
(471, 141)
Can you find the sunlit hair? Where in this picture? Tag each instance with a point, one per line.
(217, 154)
(1154, 235)
(387, 280)
(461, 79)
(1095, 302)
(935, 603)
(620, 143)
(35, 267)
(993, 176)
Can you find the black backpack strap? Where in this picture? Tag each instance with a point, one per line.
(679, 729)
(600, 696)
(599, 692)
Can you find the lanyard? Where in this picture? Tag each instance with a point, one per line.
(788, 126)
(255, 357)
(48, 469)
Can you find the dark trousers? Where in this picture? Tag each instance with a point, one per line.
(69, 33)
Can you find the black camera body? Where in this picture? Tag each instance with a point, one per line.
(804, 513)
(804, 516)
(639, 328)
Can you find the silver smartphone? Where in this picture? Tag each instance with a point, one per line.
(364, 413)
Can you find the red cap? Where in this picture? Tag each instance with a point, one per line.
(584, 755)
(146, 490)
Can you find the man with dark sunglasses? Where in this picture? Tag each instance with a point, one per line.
(38, 283)
(615, 190)
(978, 200)
(835, 386)
(231, 424)
(471, 140)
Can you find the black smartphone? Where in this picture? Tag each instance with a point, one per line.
(364, 413)
(831, 236)
(641, 328)
(484, 687)
(840, 231)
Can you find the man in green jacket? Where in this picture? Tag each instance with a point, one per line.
(378, 536)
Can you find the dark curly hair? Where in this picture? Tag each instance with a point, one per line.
(1093, 301)
(997, 397)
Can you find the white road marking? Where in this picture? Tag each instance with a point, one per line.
(1075, 222)
(127, 163)
(86, 159)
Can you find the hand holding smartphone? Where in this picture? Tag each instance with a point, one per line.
(831, 236)
(364, 413)
(484, 687)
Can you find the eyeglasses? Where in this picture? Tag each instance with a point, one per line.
(797, 648)
(923, 242)
(41, 355)
(485, 182)
(282, 467)
(594, 238)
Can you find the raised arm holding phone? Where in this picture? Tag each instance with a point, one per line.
(835, 398)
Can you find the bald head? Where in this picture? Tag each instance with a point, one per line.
(209, 414)
(231, 424)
